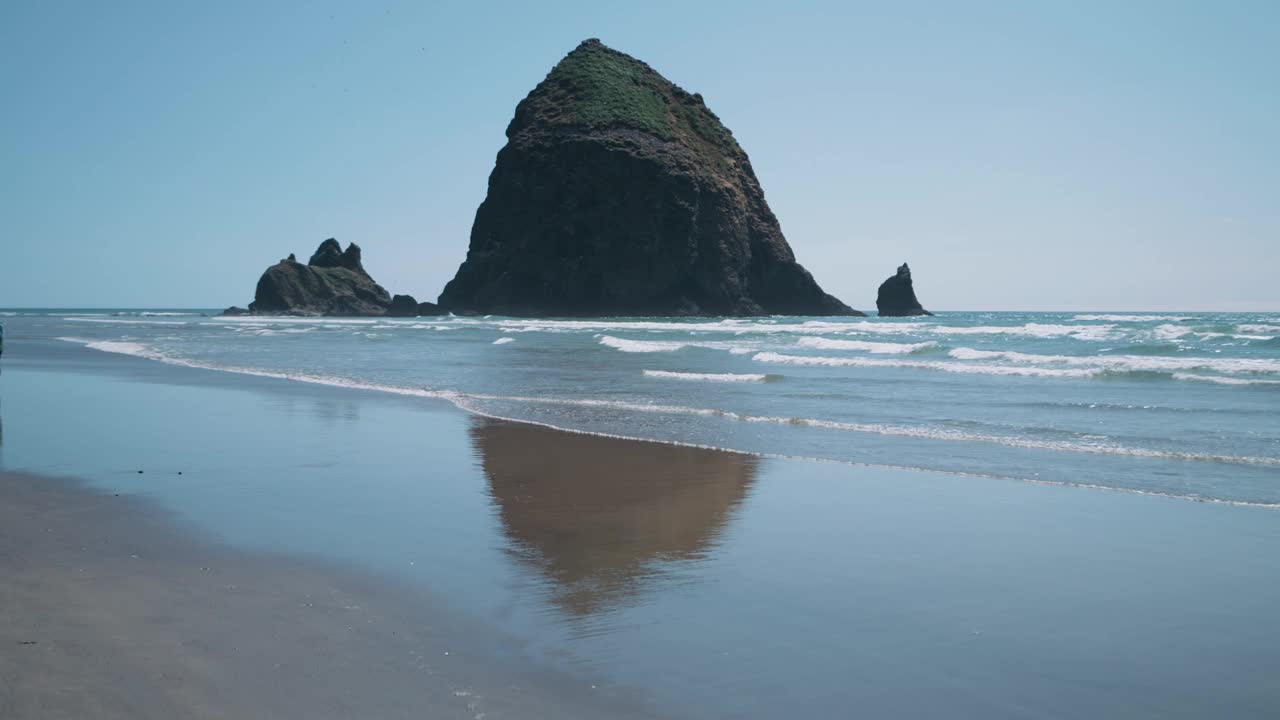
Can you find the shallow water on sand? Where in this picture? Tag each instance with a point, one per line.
(1185, 404)
(711, 584)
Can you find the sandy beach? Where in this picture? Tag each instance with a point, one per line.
(295, 550)
(112, 612)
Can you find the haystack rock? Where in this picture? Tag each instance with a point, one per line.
(333, 282)
(897, 296)
(618, 193)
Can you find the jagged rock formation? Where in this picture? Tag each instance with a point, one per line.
(897, 296)
(618, 193)
(333, 282)
(429, 308)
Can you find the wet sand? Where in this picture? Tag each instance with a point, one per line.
(110, 611)
(308, 551)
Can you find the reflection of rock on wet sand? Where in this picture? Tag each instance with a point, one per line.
(599, 516)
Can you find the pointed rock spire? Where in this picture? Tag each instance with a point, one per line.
(618, 193)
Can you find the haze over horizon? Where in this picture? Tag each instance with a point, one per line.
(1075, 157)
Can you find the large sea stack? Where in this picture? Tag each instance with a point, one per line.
(897, 296)
(333, 282)
(618, 193)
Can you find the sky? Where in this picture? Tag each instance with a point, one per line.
(1021, 156)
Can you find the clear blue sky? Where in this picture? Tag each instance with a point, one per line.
(1021, 155)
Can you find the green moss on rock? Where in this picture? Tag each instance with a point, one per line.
(600, 87)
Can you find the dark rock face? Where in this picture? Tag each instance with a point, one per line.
(233, 310)
(618, 193)
(331, 255)
(402, 306)
(897, 296)
(334, 283)
(426, 309)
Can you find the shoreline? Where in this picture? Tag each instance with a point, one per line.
(456, 400)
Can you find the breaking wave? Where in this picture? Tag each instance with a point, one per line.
(878, 348)
(1126, 362)
(1224, 380)
(1135, 318)
(650, 346)
(711, 377)
(952, 367)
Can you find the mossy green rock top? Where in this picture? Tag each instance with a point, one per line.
(618, 193)
(598, 87)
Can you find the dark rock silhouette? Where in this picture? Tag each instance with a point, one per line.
(402, 306)
(427, 308)
(897, 296)
(618, 193)
(233, 310)
(333, 282)
(331, 255)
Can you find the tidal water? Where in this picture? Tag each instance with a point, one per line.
(1186, 404)
(708, 584)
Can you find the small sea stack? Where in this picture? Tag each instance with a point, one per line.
(332, 283)
(897, 296)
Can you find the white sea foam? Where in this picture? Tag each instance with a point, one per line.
(1176, 332)
(466, 402)
(282, 320)
(650, 346)
(878, 348)
(503, 341)
(733, 326)
(121, 321)
(952, 367)
(1136, 363)
(711, 377)
(1038, 330)
(123, 347)
(1134, 318)
(739, 326)
(640, 346)
(1249, 328)
(1224, 380)
(143, 351)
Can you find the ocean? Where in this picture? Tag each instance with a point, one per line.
(1099, 541)
(1185, 405)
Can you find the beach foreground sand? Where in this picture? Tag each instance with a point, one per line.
(112, 612)
(294, 550)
